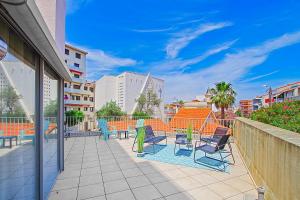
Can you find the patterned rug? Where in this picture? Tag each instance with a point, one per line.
(183, 156)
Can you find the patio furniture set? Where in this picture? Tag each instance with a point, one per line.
(214, 144)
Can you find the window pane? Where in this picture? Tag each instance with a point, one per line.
(50, 153)
(17, 116)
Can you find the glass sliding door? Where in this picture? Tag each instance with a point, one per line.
(17, 116)
(50, 129)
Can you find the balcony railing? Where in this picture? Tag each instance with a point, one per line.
(75, 68)
(78, 80)
(199, 126)
(78, 91)
(79, 102)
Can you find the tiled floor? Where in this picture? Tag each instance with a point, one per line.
(99, 170)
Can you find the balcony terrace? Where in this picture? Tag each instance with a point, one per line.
(97, 169)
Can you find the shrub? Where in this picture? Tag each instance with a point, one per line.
(140, 115)
(189, 133)
(285, 115)
(73, 117)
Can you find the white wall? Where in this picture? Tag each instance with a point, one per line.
(54, 13)
(105, 91)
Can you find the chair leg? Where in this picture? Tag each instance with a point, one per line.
(222, 161)
(133, 144)
(195, 156)
(230, 148)
(175, 149)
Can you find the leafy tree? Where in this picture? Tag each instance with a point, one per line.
(51, 109)
(238, 113)
(73, 117)
(147, 102)
(223, 96)
(110, 109)
(180, 102)
(141, 115)
(9, 102)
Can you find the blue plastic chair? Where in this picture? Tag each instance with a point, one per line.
(1, 134)
(103, 126)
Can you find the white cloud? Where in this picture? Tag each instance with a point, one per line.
(183, 38)
(231, 69)
(99, 62)
(152, 30)
(259, 76)
(180, 64)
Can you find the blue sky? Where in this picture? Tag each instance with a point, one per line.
(191, 44)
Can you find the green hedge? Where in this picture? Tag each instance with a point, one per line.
(285, 115)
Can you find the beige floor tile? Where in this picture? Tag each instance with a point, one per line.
(148, 192)
(205, 179)
(239, 184)
(223, 190)
(168, 188)
(204, 194)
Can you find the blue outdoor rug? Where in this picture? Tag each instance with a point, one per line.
(183, 156)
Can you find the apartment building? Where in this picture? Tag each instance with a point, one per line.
(246, 107)
(286, 92)
(125, 88)
(79, 93)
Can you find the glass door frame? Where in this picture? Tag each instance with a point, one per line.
(39, 111)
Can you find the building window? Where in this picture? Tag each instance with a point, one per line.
(65, 108)
(78, 55)
(76, 75)
(66, 61)
(85, 98)
(85, 88)
(91, 109)
(76, 65)
(66, 85)
(92, 89)
(78, 109)
(67, 52)
(77, 98)
(91, 99)
(76, 87)
(85, 108)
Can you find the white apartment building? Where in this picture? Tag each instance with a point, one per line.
(126, 88)
(79, 94)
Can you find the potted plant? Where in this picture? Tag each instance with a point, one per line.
(189, 135)
(140, 141)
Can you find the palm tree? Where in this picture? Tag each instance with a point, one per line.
(223, 96)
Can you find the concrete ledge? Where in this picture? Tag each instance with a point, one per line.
(272, 156)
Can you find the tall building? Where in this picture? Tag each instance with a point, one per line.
(246, 107)
(79, 93)
(126, 88)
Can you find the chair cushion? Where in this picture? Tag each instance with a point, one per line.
(214, 139)
(181, 141)
(154, 140)
(206, 148)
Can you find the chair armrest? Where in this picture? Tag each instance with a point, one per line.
(196, 142)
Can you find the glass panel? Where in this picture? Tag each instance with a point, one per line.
(17, 115)
(50, 153)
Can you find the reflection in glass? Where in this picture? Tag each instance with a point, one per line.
(50, 160)
(17, 116)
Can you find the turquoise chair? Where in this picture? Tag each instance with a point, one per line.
(45, 128)
(1, 134)
(22, 136)
(103, 126)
